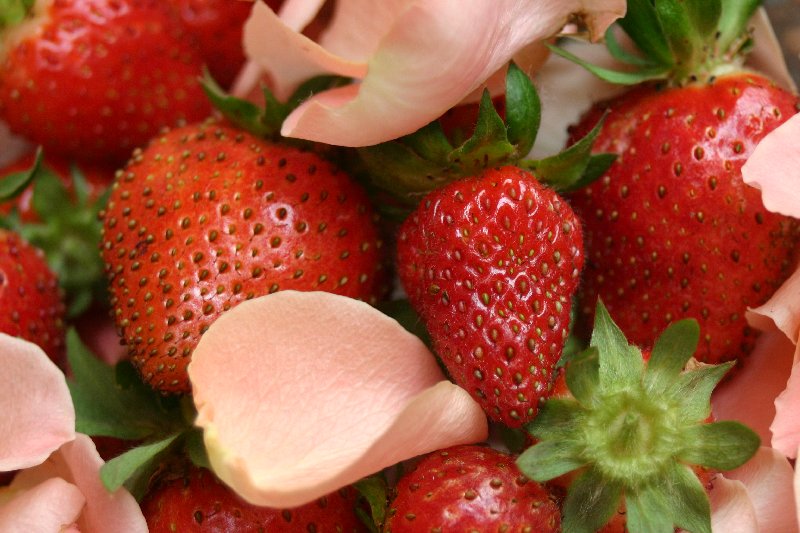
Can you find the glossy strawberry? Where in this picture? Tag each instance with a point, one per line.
(471, 488)
(208, 216)
(491, 264)
(198, 501)
(30, 296)
(671, 229)
(92, 79)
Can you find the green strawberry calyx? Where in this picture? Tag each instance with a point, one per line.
(633, 430)
(680, 41)
(13, 12)
(413, 165)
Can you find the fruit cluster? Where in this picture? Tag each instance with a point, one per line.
(589, 301)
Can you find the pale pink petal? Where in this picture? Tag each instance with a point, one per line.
(49, 507)
(431, 58)
(79, 463)
(749, 395)
(302, 393)
(297, 14)
(37, 412)
(731, 508)
(288, 56)
(796, 486)
(786, 424)
(774, 167)
(11, 146)
(782, 311)
(767, 55)
(769, 478)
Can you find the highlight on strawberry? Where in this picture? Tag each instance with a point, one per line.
(633, 429)
(671, 230)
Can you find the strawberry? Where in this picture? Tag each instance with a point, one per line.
(634, 433)
(491, 264)
(92, 79)
(31, 296)
(671, 229)
(470, 488)
(208, 216)
(198, 501)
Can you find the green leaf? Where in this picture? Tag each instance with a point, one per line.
(688, 500)
(13, 184)
(523, 110)
(671, 351)
(733, 22)
(196, 448)
(549, 459)
(374, 489)
(591, 502)
(13, 12)
(583, 376)
(647, 510)
(720, 445)
(621, 364)
(692, 392)
(134, 468)
(105, 408)
(656, 72)
(48, 191)
(642, 25)
(558, 418)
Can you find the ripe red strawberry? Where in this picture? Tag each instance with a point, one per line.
(671, 230)
(491, 264)
(30, 296)
(92, 79)
(471, 488)
(208, 216)
(198, 501)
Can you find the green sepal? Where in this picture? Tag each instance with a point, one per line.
(13, 12)
(692, 392)
(736, 14)
(621, 54)
(558, 418)
(374, 489)
(523, 110)
(591, 502)
(688, 26)
(550, 459)
(647, 509)
(671, 351)
(688, 501)
(618, 77)
(196, 448)
(721, 445)
(13, 184)
(488, 145)
(583, 376)
(573, 168)
(134, 468)
(643, 27)
(621, 364)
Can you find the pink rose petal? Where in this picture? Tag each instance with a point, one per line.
(769, 478)
(37, 412)
(781, 311)
(302, 393)
(731, 508)
(749, 395)
(297, 14)
(786, 424)
(417, 58)
(49, 507)
(78, 462)
(774, 167)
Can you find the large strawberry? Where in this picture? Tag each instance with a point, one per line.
(93, 79)
(31, 299)
(198, 501)
(471, 488)
(671, 230)
(490, 260)
(208, 216)
(635, 433)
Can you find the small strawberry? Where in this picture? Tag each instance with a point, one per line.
(92, 79)
(635, 433)
(208, 216)
(31, 297)
(471, 488)
(671, 229)
(491, 264)
(198, 501)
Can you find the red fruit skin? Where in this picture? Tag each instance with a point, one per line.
(30, 296)
(471, 488)
(490, 264)
(671, 230)
(98, 179)
(98, 78)
(207, 217)
(199, 502)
